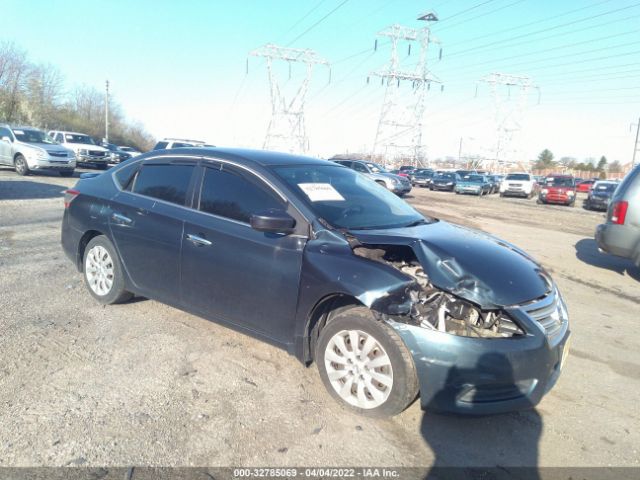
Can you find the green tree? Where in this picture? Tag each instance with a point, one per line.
(545, 160)
(602, 164)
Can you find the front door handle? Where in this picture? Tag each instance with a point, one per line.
(119, 218)
(196, 240)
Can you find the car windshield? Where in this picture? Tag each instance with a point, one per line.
(473, 178)
(348, 200)
(445, 176)
(605, 187)
(424, 172)
(78, 138)
(33, 136)
(558, 182)
(518, 176)
(376, 168)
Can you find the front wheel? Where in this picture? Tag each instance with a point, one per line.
(103, 273)
(365, 365)
(22, 168)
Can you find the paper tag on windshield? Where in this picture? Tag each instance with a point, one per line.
(321, 192)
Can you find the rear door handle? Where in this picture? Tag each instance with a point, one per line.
(196, 240)
(119, 218)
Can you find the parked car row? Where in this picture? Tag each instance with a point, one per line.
(398, 184)
(30, 149)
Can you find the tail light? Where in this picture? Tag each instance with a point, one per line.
(69, 196)
(619, 212)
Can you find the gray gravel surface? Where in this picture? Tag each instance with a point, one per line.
(146, 384)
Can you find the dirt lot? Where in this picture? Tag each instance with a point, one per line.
(145, 384)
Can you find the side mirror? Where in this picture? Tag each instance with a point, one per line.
(6, 139)
(273, 221)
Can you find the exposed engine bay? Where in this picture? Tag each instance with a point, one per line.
(436, 309)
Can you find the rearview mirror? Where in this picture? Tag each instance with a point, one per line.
(6, 139)
(273, 221)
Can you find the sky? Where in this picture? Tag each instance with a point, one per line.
(183, 69)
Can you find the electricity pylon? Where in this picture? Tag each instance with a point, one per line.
(286, 130)
(509, 111)
(399, 132)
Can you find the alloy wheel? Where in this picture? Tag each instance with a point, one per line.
(359, 368)
(99, 270)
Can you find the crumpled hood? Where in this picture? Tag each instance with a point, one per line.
(473, 265)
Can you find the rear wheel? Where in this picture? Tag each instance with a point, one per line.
(22, 168)
(103, 274)
(365, 365)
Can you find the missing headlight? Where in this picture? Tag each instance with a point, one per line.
(446, 313)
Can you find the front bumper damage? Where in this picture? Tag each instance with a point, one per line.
(458, 371)
(483, 376)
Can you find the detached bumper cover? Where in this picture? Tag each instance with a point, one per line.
(484, 376)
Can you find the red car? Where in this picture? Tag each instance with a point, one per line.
(558, 189)
(585, 186)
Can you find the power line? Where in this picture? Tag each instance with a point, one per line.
(313, 9)
(519, 27)
(466, 10)
(542, 30)
(478, 16)
(316, 24)
(529, 62)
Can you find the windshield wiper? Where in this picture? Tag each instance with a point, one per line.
(422, 221)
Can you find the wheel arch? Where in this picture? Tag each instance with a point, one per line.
(322, 312)
(82, 245)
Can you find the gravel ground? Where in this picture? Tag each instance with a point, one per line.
(146, 384)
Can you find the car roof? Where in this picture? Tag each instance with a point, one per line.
(245, 155)
(71, 133)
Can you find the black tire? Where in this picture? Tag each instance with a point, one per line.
(404, 388)
(117, 293)
(66, 173)
(21, 166)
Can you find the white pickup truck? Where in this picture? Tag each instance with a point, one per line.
(519, 184)
(86, 150)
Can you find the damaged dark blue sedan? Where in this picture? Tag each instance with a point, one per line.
(325, 263)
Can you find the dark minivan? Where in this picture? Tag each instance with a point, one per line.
(319, 260)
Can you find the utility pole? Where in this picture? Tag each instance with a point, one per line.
(106, 112)
(508, 111)
(636, 145)
(286, 130)
(399, 132)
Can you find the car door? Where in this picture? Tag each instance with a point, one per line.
(231, 272)
(146, 222)
(5, 147)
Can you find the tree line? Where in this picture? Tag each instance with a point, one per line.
(36, 94)
(601, 167)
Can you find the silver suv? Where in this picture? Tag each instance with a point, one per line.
(28, 149)
(621, 234)
(395, 183)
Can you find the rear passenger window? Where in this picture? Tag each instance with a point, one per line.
(161, 145)
(124, 175)
(164, 182)
(229, 195)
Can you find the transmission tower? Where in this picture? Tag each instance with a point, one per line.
(286, 131)
(509, 110)
(399, 132)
